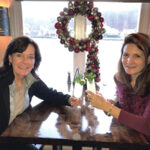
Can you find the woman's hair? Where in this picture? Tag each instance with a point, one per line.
(142, 41)
(20, 44)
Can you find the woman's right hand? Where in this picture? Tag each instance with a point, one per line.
(73, 101)
(97, 100)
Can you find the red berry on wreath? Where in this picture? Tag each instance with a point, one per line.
(76, 3)
(71, 12)
(92, 57)
(92, 46)
(88, 43)
(63, 28)
(96, 49)
(101, 19)
(57, 25)
(72, 42)
(58, 32)
(102, 25)
(97, 79)
(62, 13)
(88, 49)
(92, 65)
(91, 4)
(91, 17)
(77, 50)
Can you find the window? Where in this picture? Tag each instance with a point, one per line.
(118, 23)
(38, 23)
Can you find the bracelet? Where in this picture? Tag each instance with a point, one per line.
(110, 109)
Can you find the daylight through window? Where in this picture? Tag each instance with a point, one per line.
(38, 23)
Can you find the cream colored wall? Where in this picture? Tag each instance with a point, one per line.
(4, 40)
(6, 3)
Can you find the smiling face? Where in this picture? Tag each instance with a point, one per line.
(133, 60)
(23, 63)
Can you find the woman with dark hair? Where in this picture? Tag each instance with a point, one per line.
(133, 86)
(19, 83)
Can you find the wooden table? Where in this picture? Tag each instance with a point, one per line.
(76, 126)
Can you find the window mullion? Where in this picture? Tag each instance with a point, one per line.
(15, 13)
(144, 23)
(80, 32)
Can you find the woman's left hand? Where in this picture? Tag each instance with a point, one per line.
(73, 101)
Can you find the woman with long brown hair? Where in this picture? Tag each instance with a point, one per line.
(132, 107)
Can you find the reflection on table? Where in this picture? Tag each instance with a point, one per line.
(76, 126)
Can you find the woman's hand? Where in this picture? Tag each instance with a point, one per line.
(97, 100)
(73, 101)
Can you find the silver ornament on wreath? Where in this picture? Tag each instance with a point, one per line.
(88, 44)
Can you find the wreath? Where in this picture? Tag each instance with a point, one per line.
(88, 44)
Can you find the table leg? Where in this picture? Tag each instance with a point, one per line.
(76, 147)
(57, 147)
(97, 148)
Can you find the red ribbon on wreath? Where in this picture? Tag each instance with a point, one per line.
(88, 44)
